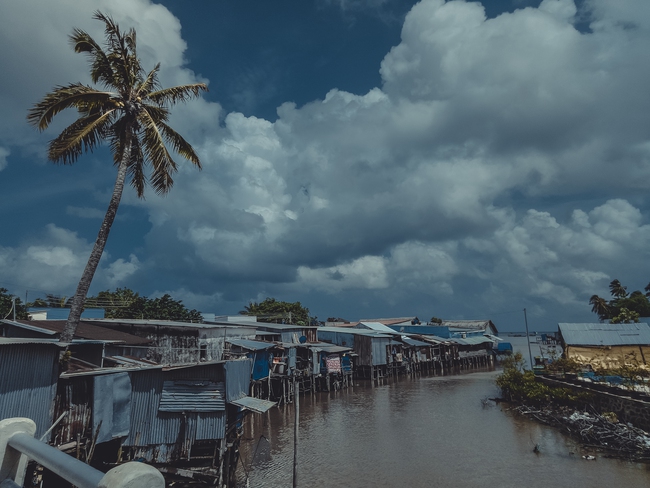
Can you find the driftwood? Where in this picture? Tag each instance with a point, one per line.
(603, 432)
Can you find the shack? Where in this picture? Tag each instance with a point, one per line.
(185, 420)
(370, 347)
(606, 346)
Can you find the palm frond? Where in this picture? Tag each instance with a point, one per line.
(180, 145)
(74, 95)
(176, 94)
(150, 82)
(122, 54)
(83, 135)
(100, 68)
(136, 168)
(163, 165)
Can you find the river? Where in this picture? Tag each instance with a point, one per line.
(420, 432)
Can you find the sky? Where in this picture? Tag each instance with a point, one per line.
(368, 158)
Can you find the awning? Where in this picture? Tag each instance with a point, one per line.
(254, 404)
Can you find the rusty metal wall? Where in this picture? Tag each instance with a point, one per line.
(73, 397)
(28, 375)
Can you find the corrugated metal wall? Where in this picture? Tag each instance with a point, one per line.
(238, 378)
(28, 376)
(111, 405)
(379, 345)
(158, 432)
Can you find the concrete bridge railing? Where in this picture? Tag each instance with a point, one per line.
(18, 446)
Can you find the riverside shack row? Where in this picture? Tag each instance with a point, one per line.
(175, 394)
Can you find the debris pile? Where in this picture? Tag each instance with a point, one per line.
(594, 430)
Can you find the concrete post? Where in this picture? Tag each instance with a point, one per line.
(132, 475)
(13, 463)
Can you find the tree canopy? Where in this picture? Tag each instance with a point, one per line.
(623, 307)
(274, 311)
(6, 306)
(124, 303)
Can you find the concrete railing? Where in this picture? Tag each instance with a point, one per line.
(18, 446)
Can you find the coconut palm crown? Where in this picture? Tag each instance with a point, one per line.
(130, 113)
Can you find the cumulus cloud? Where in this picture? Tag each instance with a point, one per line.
(3, 158)
(502, 160)
(52, 262)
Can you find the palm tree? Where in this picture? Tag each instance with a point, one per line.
(130, 112)
(599, 306)
(617, 289)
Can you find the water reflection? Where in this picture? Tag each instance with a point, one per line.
(420, 432)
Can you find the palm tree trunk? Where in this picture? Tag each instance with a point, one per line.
(98, 249)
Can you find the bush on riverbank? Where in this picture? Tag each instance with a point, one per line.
(519, 385)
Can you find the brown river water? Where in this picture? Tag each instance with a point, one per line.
(426, 431)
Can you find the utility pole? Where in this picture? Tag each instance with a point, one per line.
(13, 305)
(530, 354)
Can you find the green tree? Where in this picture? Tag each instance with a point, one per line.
(272, 310)
(124, 303)
(166, 308)
(599, 306)
(617, 290)
(130, 112)
(7, 304)
(623, 307)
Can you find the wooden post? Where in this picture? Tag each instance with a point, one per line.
(295, 433)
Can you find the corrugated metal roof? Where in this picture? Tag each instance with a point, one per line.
(26, 340)
(413, 342)
(84, 330)
(255, 404)
(466, 324)
(362, 332)
(605, 334)
(251, 345)
(376, 326)
(471, 341)
(192, 396)
(327, 347)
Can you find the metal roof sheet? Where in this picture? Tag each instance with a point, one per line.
(192, 396)
(251, 345)
(20, 340)
(362, 332)
(376, 326)
(289, 327)
(85, 330)
(471, 341)
(327, 347)
(597, 334)
(254, 404)
(413, 342)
